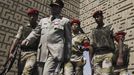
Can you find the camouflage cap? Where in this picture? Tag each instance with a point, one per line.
(99, 12)
(57, 2)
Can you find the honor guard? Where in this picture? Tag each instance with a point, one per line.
(80, 43)
(102, 42)
(28, 53)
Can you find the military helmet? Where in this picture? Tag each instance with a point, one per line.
(99, 12)
(57, 2)
(75, 21)
(32, 11)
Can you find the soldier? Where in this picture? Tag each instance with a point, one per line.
(28, 53)
(55, 41)
(121, 54)
(102, 42)
(80, 43)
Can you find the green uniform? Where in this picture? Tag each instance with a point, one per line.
(102, 42)
(77, 61)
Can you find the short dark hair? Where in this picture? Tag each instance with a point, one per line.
(98, 13)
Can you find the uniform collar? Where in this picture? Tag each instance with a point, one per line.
(56, 17)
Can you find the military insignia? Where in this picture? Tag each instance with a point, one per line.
(56, 23)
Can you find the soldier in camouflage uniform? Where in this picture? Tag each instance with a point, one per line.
(79, 43)
(102, 42)
(121, 56)
(28, 53)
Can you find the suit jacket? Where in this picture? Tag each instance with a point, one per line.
(55, 38)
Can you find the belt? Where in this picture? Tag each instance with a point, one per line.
(103, 51)
(26, 50)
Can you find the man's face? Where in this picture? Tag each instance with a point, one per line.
(75, 26)
(55, 9)
(33, 19)
(99, 19)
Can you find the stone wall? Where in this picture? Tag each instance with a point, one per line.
(13, 15)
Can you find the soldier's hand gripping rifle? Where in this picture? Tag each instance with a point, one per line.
(11, 57)
(119, 37)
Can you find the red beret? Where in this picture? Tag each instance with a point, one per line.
(32, 11)
(75, 21)
(118, 35)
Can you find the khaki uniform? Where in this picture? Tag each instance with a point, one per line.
(102, 42)
(77, 61)
(103, 64)
(55, 42)
(28, 53)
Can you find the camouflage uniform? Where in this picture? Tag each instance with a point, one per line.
(77, 61)
(28, 53)
(102, 42)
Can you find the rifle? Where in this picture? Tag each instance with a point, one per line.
(11, 57)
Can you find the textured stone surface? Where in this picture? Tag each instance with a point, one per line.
(13, 14)
(118, 13)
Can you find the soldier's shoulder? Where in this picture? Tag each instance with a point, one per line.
(109, 27)
(82, 35)
(65, 19)
(93, 30)
(44, 19)
(27, 27)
